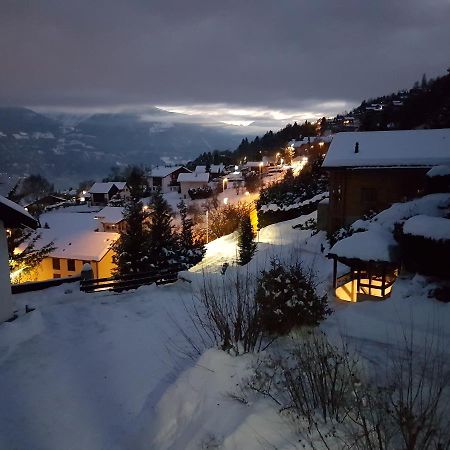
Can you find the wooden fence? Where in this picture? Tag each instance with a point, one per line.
(132, 281)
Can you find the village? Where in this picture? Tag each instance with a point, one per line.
(365, 213)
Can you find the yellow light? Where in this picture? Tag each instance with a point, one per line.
(225, 200)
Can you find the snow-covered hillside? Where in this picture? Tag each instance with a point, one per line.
(108, 371)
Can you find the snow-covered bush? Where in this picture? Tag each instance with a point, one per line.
(287, 297)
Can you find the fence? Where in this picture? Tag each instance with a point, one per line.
(38, 285)
(132, 281)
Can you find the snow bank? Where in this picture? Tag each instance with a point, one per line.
(438, 171)
(275, 207)
(198, 411)
(436, 228)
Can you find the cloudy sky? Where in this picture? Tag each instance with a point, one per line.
(231, 60)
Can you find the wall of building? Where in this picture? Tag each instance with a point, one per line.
(355, 192)
(45, 271)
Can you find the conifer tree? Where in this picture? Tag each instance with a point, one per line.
(163, 244)
(246, 241)
(131, 250)
(190, 252)
(23, 263)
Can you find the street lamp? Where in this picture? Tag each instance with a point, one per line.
(207, 225)
(260, 169)
(224, 182)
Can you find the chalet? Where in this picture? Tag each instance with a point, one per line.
(192, 181)
(200, 169)
(11, 216)
(102, 193)
(72, 250)
(42, 203)
(111, 219)
(369, 171)
(165, 179)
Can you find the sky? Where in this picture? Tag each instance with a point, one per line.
(239, 62)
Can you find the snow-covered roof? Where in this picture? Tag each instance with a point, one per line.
(436, 228)
(389, 148)
(163, 172)
(13, 215)
(101, 188)
(217, 168)
(81, 245)
(110, 214)
(193, 177)
(200, 169)
(255, 163)
(104, 188)
(439, 171)
(367, 246)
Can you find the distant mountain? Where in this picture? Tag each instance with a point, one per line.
(67, 148)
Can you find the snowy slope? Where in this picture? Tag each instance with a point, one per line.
(106, 371)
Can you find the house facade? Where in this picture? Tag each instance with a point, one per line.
(165, 179)
(192, 181)
(102, 193)
(74, 250)
(111, 219)
(369, 171)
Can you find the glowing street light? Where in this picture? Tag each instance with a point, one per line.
(225, 201)
(224, 182)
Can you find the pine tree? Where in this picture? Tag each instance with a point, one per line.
(190, 252)
(163, 242)
(23, 263)
(131, 250)
(246, 241)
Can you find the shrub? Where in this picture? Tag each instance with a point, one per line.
(225, 220)
(287, 297)
(226, 314)
(201, 192)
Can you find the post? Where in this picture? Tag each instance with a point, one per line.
(207, 225)
(6, 301)
(334, 272)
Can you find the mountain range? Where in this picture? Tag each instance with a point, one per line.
(67, 148)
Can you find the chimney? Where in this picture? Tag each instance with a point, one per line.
(357, 147)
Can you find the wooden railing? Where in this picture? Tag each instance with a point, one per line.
(132, 281)
(38, 285)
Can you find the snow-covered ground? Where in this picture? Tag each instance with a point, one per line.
(105, 371)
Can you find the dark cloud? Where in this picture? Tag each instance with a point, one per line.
(287, 55)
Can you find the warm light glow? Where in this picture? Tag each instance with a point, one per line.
(348, 292)
(84, 192)
(321, 144)
(247, 193)
(225, 200)
(82, 199)
(145, 208)
(236, 168)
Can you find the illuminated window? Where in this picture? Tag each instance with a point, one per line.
(56, 263)
(71, 265)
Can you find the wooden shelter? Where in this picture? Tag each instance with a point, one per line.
(369, 266)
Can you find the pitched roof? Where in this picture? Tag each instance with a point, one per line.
(217, 168)
(13, 215)
(104, 188)
(193, 177)
(82, 245)
(200, 169)
(110, 214)
(164, 171)
(389, 149)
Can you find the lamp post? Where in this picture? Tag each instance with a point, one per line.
(207, 226)
(224, 183)
(260, 169)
